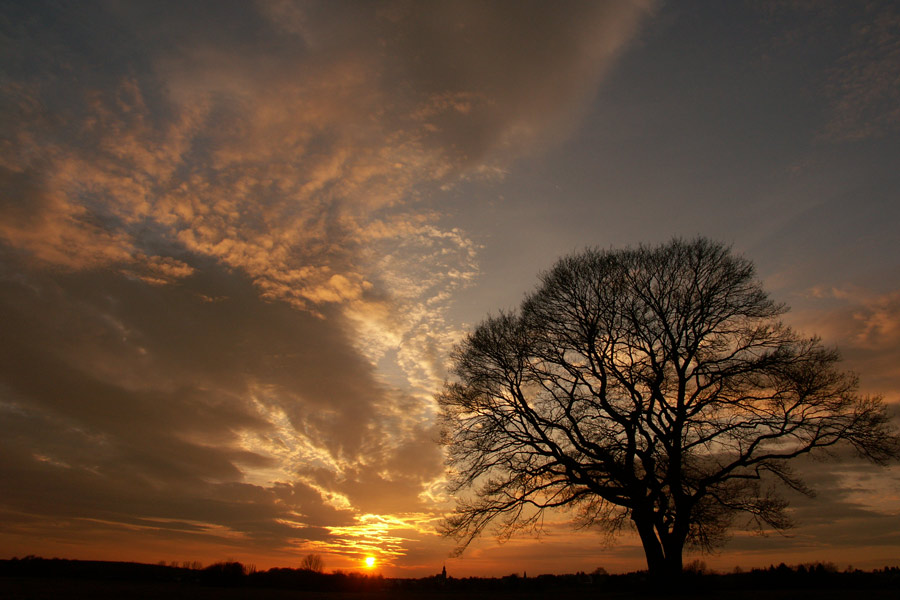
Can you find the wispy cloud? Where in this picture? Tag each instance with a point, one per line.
(865, 324)
(863, 82)
(224, 269)
(851, 62)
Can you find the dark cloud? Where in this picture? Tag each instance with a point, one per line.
(127, 403)
(851, 518)
(488, 90)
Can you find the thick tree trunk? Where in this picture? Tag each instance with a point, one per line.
(656, 560)
(664, 558)
(674, 548)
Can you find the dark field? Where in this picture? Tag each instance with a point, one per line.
(12, 588)
(43, 579)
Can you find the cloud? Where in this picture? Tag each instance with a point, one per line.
(149, 408)
(223, 264)
(862, 57)
(854, 507)
(863, 82)
(866, 326)
(291, 153)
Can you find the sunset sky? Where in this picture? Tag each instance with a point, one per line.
(238, 240)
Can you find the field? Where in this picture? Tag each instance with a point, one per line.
(29, 588)
(42, 579)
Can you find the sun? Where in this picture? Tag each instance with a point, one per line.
(370, 562)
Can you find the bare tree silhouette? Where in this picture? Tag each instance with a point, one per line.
(655, 386)
(313, 562)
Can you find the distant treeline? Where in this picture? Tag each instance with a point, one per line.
(234, 574)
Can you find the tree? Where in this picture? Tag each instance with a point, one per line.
(313, 562)
(655, 386)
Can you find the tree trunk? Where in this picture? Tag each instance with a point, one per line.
(664, 552)
(674, 547)
(656, 560)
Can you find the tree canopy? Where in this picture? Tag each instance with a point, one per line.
(651, 385)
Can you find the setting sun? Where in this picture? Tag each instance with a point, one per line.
(370, 562)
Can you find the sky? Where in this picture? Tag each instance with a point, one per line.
(238, 241)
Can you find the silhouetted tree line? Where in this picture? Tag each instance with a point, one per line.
(235, 574)
(35, 566)
(221, 574)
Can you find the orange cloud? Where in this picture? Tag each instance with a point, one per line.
(281, 159)
(864, 325)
